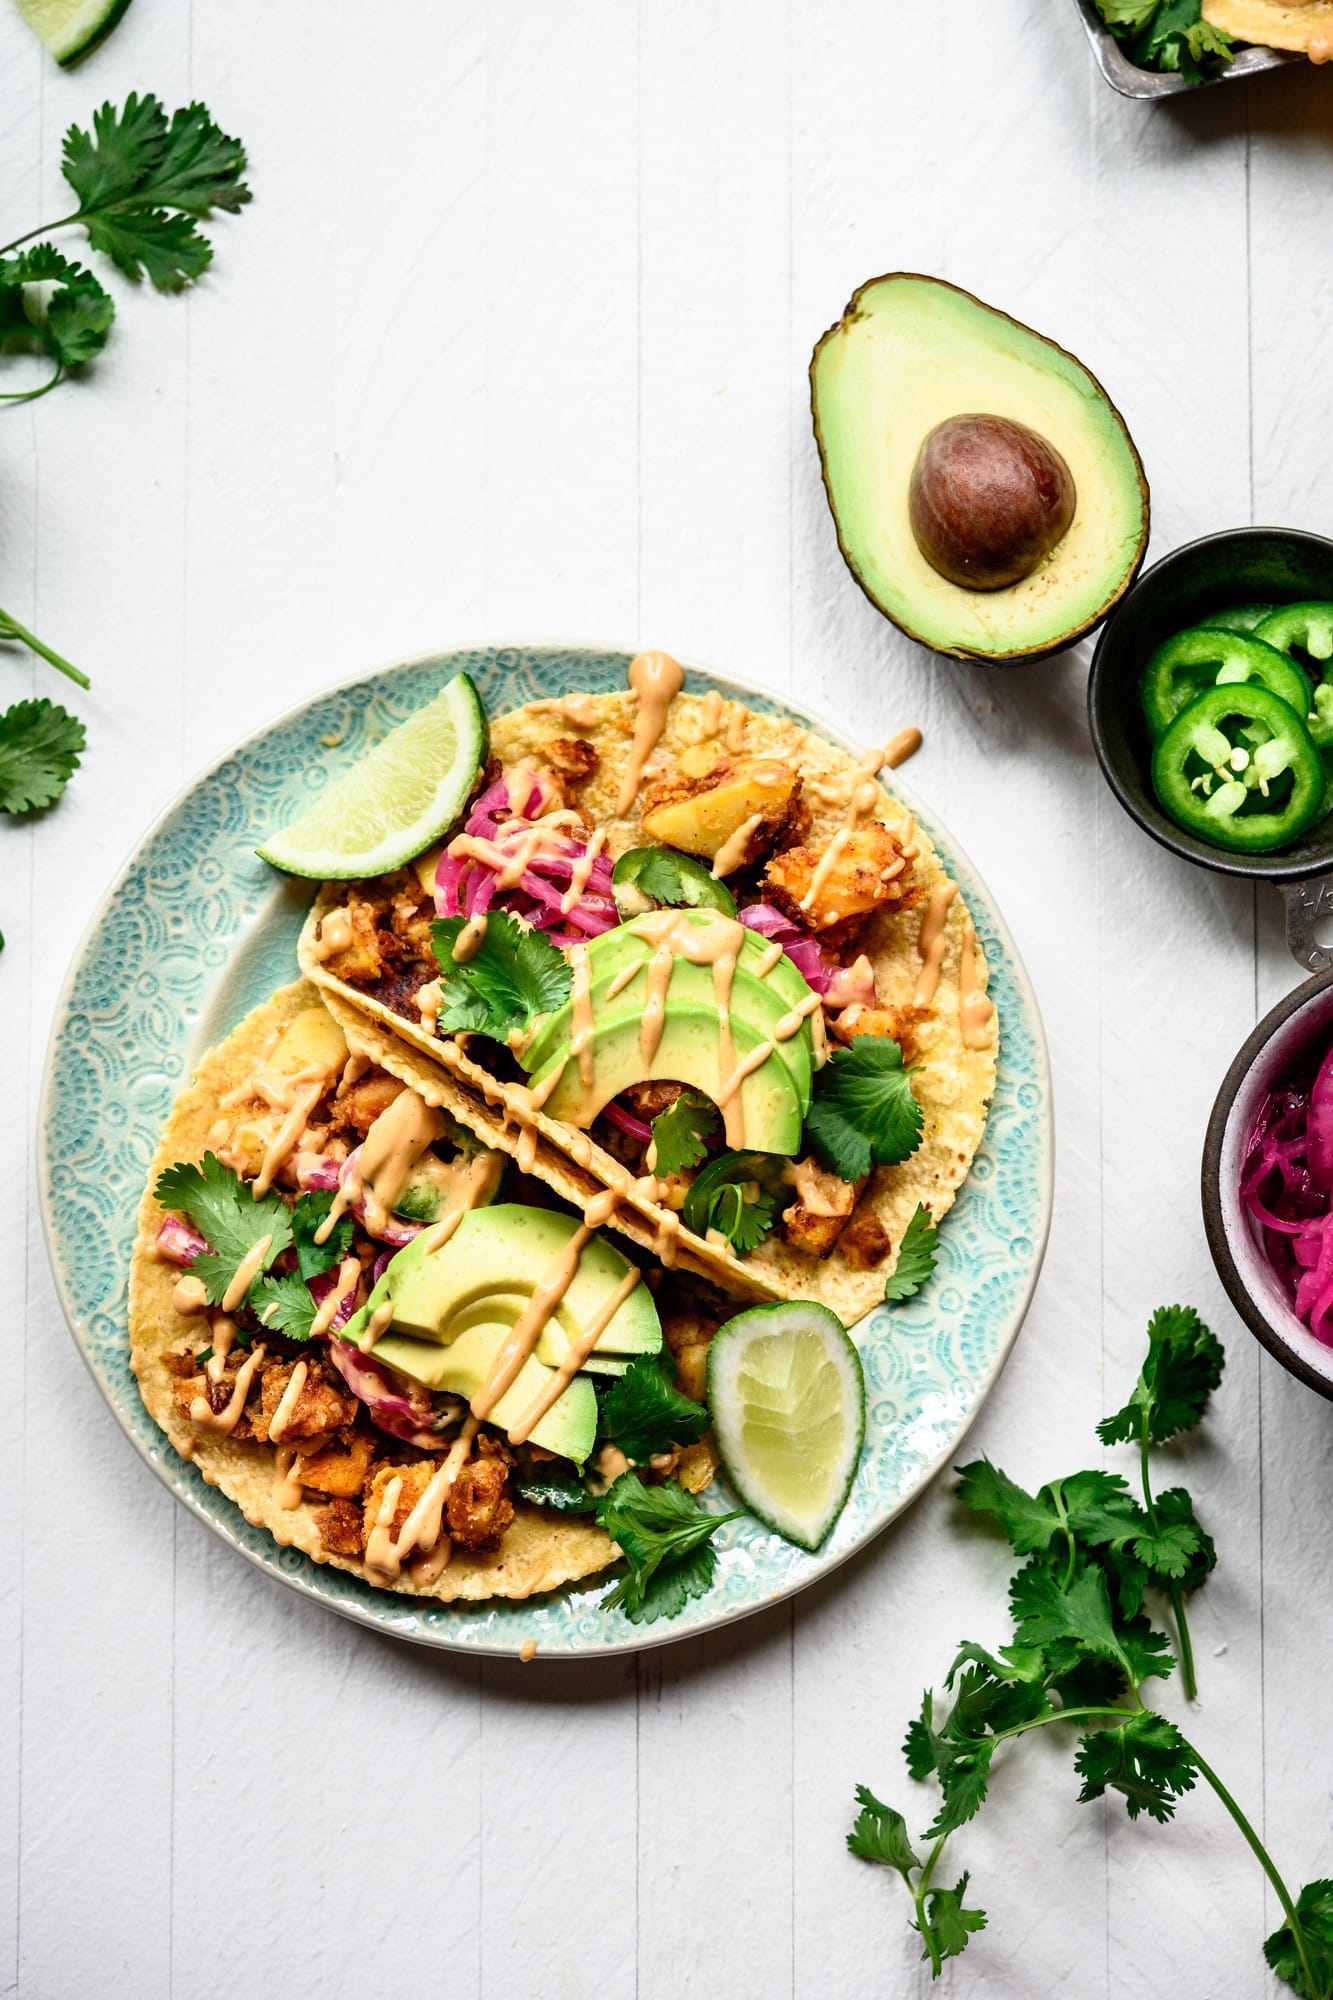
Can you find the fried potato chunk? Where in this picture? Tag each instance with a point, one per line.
(339, 1472)
(818, 1216)
(865, 1241)
(363, 959)
(857, 872)
(358, 1106)
(320, 1408)
(479, 1505)
(340, 1528)
(688, 1334)
(415, 1478)
(703, 815)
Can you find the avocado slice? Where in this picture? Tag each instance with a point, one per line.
(773, 1103)
(912, 353)
(454, 1306)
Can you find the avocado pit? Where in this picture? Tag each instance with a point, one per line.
(989, 499)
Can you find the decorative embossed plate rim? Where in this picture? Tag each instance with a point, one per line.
(196, 930)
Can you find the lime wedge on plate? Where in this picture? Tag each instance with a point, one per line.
(396, 799)
(72, 29)
(789, 1414)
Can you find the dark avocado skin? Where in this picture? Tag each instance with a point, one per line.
(978, 657)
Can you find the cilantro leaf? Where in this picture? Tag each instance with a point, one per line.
(1044, 1612)
(666, 1540)
(864, 1111)
(1314, 1911)
(222, 1209)
(1168, 35)
(283, 1304)
(648, 878)
(922, 1748)
(680, 1133)
(142, 183)
(950, 1923)
(542, 1487)
(514, 975)
(39, 750)
(1145, 1757)
(310, 1211)
(643, 1413)
(964, 1777)
(916, 1258)
(1028, 1521)
(1183, 1366)
(736, 1194)
(880, 1834)
(1174, 1507)
(71, 324)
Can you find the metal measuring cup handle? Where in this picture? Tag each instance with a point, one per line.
(1306, 904)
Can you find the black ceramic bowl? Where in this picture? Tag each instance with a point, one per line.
(1298, 1027)
(1244, 566)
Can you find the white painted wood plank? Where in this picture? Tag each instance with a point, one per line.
(1292, 486)
(96, 1655)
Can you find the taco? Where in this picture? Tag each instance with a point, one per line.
(1303, 26)
(710, 961)
(298, 1187)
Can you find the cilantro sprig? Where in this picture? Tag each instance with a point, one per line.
(738, 1194)
(642, 1413)
(514, 974)
(223, 1209)
(1082, 1653)
(864, 1113)
(142, 182)
(1169, 35)
(916, 1258)
(681, 1133)
(40, 744)
(666, 1539)
(285, 1304)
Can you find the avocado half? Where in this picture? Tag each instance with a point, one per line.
(911, 351)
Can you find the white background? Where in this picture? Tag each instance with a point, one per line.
(512, 342)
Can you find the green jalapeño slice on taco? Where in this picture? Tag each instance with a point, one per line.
(705, 959)
(396, 1353)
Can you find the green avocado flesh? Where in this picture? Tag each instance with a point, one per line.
(774, 1098)
(453, 1308)
(910, 352)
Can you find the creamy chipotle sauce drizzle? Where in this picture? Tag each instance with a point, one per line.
(931, 942)
(656, 680)
(976, 1011)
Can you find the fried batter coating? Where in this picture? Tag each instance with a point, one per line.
(869, 871)
(897, 1023)
(817, 1218)
(865, 1241)
(479, 1505)
(702, 814)
(339, 1470)
(572, 762)
(340, 1528)
(320, 1409)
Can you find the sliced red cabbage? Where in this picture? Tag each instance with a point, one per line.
(503, 817)
(393, 1403)
(320, 1287)
(799, 946)
(1286, 1185)
(633, 1128)
(177, 1241)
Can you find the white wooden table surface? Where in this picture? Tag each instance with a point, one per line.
(513, 343)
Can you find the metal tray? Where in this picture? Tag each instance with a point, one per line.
(1131, 81)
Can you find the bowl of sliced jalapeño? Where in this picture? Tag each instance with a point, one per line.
(1211, 708)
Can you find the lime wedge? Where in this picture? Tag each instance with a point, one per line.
(72, 29)
(396, 799)
(789, 1414)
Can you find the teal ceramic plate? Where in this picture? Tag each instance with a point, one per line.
(197, 930)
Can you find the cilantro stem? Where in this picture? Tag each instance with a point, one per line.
(1261, 1855)
(31, 395)
(919, 1898)
(11, 629)
(1174, 1595)
(43, 229)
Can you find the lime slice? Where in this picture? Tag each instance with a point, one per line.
(396, 799)
(72, 29)
(789, 1414)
